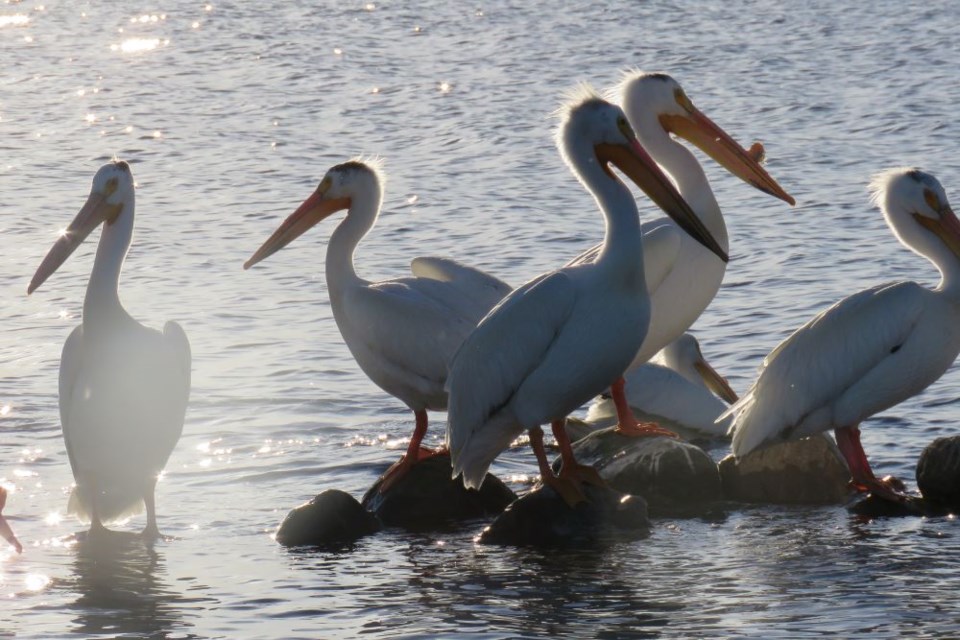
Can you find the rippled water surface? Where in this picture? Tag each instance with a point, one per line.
(229, 113)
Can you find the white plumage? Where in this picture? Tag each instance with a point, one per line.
(404, 331)
(676, 389)
(123, 386)
(682, 275)
(567, 335)
(871, 350)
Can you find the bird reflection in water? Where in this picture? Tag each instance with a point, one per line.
(119, 581)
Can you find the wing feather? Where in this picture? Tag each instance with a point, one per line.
(493, 363)
(807, 373)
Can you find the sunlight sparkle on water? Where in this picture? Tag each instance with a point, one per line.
(91, 118)
(444, 87)
(138, 45)
(53, 518)
(36, 581)
(15, 20)
(5, 410)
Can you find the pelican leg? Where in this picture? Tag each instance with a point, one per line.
(151, 531)
(415, 453)
(848, 441)
(571, 468)
(96, 524)
(627, 424)
(5, 529)
(566, 487)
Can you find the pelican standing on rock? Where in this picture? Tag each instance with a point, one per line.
(566, 335)
(402, 332)
(683, 276)
(869, 351)
(123, 386)
(681, 390)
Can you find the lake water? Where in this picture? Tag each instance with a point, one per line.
(230, 112)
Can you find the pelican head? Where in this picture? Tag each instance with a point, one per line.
(336, 192)
(683, 355)
(588, 119)
(916, 208)
(110, 196)
(656, 100)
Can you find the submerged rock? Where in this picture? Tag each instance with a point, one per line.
(938, 472)
(333, 518)
(427, 497)
(673, 476)
(871, 505)
(809, 471)
(542, 519)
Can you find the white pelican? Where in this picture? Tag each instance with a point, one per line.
(676, 391)
(5, 529)
(403, 331)
(682, 275)
(123, 386)
(566, 335)
(871, 350)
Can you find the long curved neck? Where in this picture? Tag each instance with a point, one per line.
(949, 266)
(103, 296)
(361, 216)
(622, 249)
(691, 180)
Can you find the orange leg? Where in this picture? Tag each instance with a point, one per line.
(627, 424)
(415, 453)
(572, 474)
(848, 440)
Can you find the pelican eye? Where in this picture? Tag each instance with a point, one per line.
(324, 185)
(625, 127)
(110, 187)
(932, 200)
(683, 100)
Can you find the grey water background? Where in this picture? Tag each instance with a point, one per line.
(230, 112)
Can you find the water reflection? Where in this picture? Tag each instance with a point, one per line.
(121, 587)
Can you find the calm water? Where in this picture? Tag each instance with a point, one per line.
(230, 112)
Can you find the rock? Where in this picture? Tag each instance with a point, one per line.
(874, 506)
(331, 519)
(938, 472)
(673, 476)
(427, 497)
(542, 519)
(809, 471)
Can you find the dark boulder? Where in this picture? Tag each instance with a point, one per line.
(427, 497)
(938, 472)
(808, 471)
(542, 519)
(674, 477)
(332, 519)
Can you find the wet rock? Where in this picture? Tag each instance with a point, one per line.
(809, 471)
(673, 476)
(542, 519)
(871, 505)
(578, 429)
(427, 497)
(331, 519)
(938, 472)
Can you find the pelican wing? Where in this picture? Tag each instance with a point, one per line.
(179, 347)
(660, 393)
(71, 362)
(661, 247)
(493, 363)
(473, 292)
(803, 377)
(411, 324)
